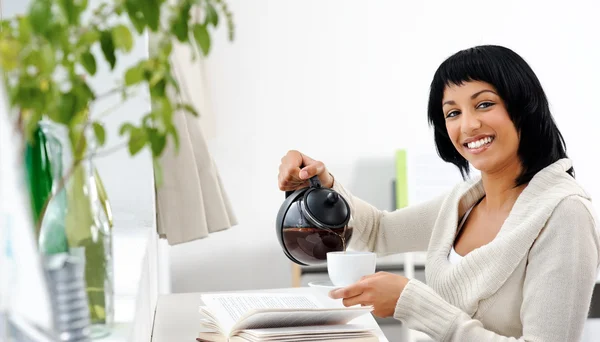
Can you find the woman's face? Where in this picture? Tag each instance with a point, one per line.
(479, 126)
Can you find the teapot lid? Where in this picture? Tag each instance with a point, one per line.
(326, 208)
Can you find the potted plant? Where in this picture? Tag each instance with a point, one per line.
(48, 55)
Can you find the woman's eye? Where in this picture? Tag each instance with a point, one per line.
(484, 105)
(452, 114)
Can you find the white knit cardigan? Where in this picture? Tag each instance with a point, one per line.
(533, 282)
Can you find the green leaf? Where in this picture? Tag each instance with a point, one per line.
(159, 89)
(126, 127)
(84, 95)
(122, 38)
(100, 133)
(81, 5)
(58, 35)
(148, 66)
(150, 9)
(135, 15)
(212, 17)
(134, 75)
(40, 14)
(70, 11)
(137, 140)
(188, 108)
(78, 119)
(158, 141)
(108, 48)
(9, 54)
(158, 172)
(157, 76)
(89, 62)
(180, 28)
(87, 91)
(43, 59)
(65, 110)
(171, 130)
(202, 38)
(5, 26)
(89, 37)
(181, 24)
(167, 48)
(24, 29)
(165, 110)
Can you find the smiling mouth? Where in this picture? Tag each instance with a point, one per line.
(474, 145)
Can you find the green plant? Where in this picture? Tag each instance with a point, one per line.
(48, 54)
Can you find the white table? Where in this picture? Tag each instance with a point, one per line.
(177, 317)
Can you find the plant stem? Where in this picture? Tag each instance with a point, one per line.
(109, 93)
(112, 109)
(108, 151)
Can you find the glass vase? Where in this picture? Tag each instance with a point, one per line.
(88, 231)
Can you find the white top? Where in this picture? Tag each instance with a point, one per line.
(533, 282)
(454, 257)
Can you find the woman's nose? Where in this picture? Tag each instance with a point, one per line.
(470, 122)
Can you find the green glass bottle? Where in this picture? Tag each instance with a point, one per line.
(39, 174)
(52, 238)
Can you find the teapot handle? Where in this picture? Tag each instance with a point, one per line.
(314, 183)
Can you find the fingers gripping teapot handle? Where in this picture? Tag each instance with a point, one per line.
(313, 181)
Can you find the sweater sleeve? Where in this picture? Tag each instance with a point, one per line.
(403, 230)
(561, 273)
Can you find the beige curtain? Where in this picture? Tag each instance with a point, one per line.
(191, 202)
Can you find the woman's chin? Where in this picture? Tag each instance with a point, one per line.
(481, 164)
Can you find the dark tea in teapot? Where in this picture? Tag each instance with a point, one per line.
(311, 245)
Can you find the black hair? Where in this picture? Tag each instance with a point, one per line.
(540, 143)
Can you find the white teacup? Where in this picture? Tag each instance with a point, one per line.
(345, 268)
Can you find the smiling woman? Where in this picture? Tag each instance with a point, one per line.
(490, 91)
(512, 256)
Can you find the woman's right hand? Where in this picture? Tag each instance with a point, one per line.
(296, 168)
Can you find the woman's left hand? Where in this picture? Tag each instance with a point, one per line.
(380, 290)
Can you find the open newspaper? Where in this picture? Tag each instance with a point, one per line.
(279, 317)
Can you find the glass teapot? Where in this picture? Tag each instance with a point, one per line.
(312, 222)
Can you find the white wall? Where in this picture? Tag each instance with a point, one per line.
(347, 82)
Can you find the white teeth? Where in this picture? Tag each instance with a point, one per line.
(480, 142)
